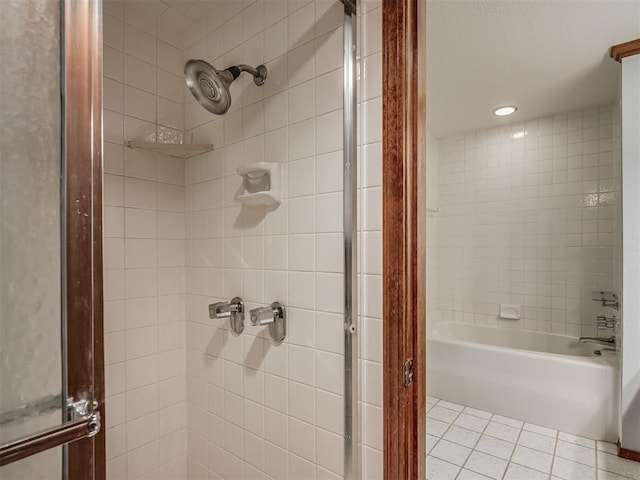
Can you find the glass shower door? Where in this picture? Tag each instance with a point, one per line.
(48, 295)
(31, 397)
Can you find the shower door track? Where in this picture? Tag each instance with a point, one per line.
(350, 235)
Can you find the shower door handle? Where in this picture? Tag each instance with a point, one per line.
(83, 423)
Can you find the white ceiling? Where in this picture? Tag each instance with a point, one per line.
(545, 56)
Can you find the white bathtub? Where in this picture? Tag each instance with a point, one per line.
(541, 378)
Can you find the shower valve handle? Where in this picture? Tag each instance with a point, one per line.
(275, 316)
(264, 315)
(233, 310)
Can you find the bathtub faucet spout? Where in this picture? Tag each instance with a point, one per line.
(609, 341)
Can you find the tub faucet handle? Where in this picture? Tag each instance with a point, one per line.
(605, 323)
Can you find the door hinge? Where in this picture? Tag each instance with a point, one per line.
(407, 371)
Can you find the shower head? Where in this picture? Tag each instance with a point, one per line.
(210, 86)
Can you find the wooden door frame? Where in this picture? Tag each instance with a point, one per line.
(403, 233)
(82, 153)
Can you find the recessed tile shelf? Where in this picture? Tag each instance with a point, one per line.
(176, 150)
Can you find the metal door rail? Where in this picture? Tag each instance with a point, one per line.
(84, 427)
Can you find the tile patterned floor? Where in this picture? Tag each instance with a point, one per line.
(468, 444)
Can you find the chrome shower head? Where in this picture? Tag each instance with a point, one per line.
(210, 86)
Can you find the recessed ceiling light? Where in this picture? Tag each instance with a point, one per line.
(504, 111)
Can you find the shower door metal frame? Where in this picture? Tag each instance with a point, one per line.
(85, 458)
(403, 237)
(352, 444)
(81, 253)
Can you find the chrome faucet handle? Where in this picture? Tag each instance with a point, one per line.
(275, 316)
(220, 310)
(233, 310)
(263, 316)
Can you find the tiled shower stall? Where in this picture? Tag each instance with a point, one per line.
(186, 397)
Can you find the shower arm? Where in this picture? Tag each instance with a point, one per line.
(259, 73)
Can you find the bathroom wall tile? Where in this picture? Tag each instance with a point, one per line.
(113, 316)
(113, 128)
(301, 252)
(113, 95)
(113, 161)
(113, 252)
(141, 401)
(300, 64)
(302, 440)
(140, 104)
(301, 290)
(328, 172)
(301, 26)
(139, 44)
(329, 412)
(328, 52)
(139, 74)
(301, 138)
(113, 32)
(328, 369)
(142, 460)
(252, 19)
(276, 122)
(170, 58)
(170, 114)
(139, 130)
(113, 63)
(143, 16)
(302, 403)
(276, 428)
(155, 354)
(170, 86)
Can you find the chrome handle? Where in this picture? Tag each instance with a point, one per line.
(83, 421)
(275, 316)
(224, 309)
(263, 316)
(219, 310)
(233, 310)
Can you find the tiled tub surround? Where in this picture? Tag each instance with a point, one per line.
(527, 217)
(469, 444)
(542, 378)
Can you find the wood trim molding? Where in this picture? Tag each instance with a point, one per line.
(83, 222)
(618, 52)
(628, 454)
(404, 84)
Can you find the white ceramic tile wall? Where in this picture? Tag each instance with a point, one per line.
(144, 248)
(527, 217)
(370, 218)
(433, 146)
(257, 409)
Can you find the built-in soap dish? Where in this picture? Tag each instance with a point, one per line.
(510, 312)
(261, 183)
